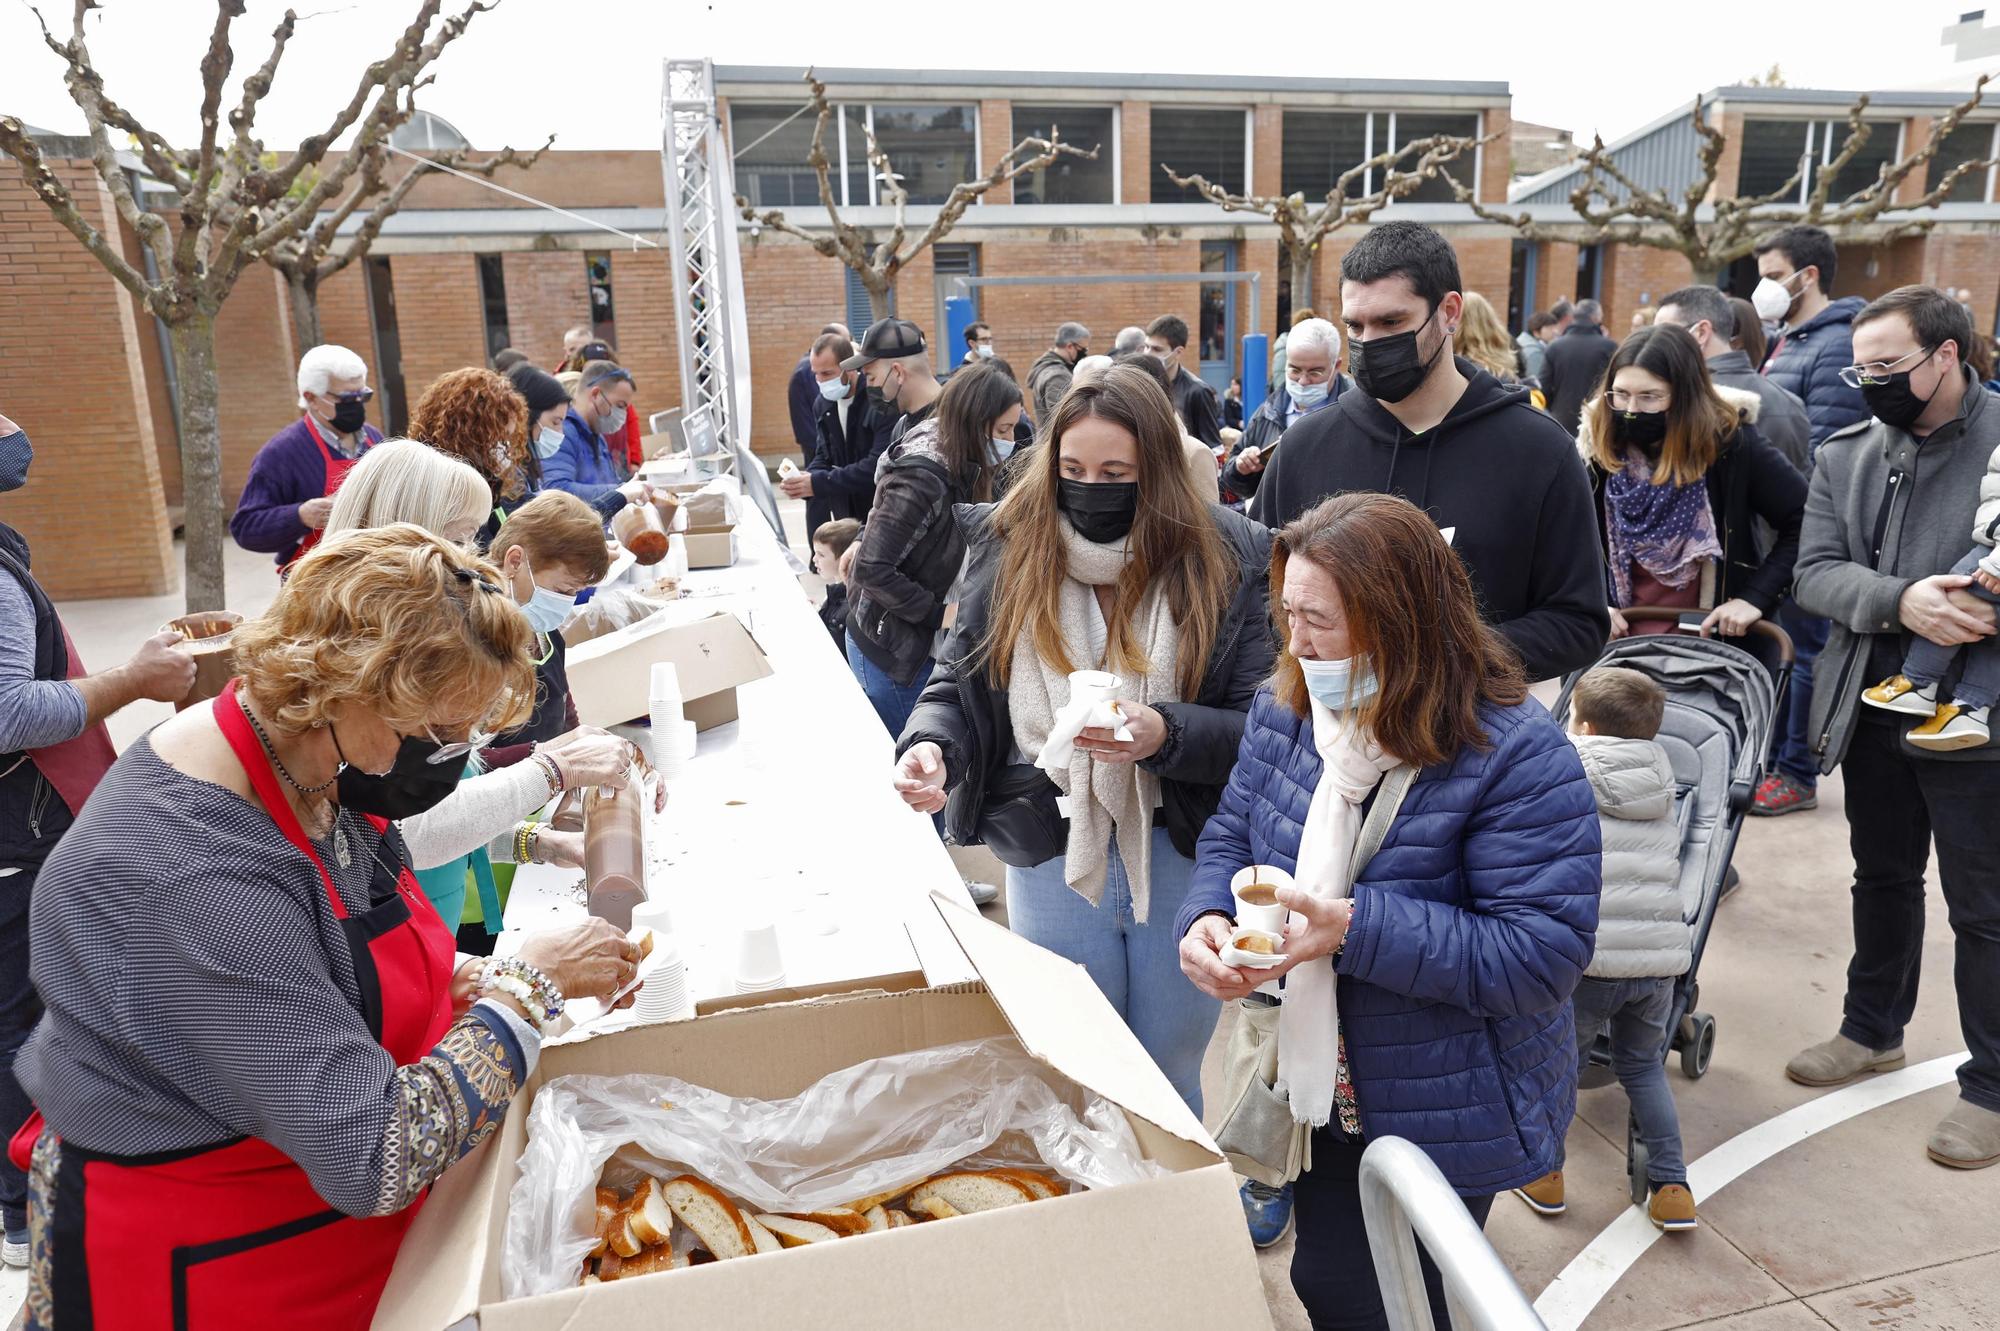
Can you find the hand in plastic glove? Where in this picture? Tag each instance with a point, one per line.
(920, 778)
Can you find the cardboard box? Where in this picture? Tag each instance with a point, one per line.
(1170, 1253)
(610, 677)
(710, 547)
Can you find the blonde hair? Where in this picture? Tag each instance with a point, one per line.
(405, 481)
(1482, 340)
(399, 621)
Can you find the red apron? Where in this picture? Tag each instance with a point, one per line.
(233, 1237)
(75, 766)
(337, 468)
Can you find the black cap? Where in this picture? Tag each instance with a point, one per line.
(887, 339)
(542, 390)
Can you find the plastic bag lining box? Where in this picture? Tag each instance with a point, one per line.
(610, 677)
(1169, 1253)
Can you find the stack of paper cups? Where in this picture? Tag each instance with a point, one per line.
(664, 996)
(670, 751)
(675, 565)
(760, 966)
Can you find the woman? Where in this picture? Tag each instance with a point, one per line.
(405, 481)
(1749, 335)
(908, 557)
(479, 418)
(1483, 340)
(548, 403)
(1103, 557)
(1680, 476)
(1454, 951)
(261, 1050)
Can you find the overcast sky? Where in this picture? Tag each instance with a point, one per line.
(590, 71)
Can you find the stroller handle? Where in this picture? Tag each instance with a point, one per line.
(1763, 627)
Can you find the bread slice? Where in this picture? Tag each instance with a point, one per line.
(652, 1219)
(840, 1219)
(867, 1204)
(878, 1220)
(712, 1217)
(657, 1258)
(969, 1193)
(608, 1207)
(795, 1233)
(622, 1239)
(609, 1266)
(898, 1219)
(763, 1238)
(1038, 1185)
(932, 1208)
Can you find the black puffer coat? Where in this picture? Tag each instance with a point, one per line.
(1011, 808)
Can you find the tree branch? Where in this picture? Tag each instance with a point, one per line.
(371, 225)
(160, 159)
(14, 141)
(1011, 166)
(87, 90)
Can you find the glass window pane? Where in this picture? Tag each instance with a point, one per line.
(774, 173)
(1196, 140)
(1411, 128)
(931, 147)
(1318, 146)
(1771, 152)
(1866, 165)
(1972, 141)
(1071, 179)
(856, 120)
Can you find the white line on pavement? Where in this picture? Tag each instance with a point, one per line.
(1576, 1292)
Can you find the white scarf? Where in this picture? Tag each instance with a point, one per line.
(1105, 799)
(1309, 1022)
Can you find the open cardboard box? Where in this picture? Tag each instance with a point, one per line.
(1170, 1253)
(610, 677)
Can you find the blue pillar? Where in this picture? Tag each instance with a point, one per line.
(958, 317)
(1256, 371)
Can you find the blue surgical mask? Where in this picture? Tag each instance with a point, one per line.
(833, 390)
(1003, 448)
(1339, 685)
(15, 455)
(1306, 396)
(546, 610)
(548, 443)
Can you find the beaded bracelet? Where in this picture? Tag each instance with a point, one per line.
(552, 770)
(538, 1016)
(524, 843)
(541, 990)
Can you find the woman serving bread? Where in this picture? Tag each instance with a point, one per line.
(259, 1047)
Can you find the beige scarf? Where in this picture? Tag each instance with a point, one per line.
(1104, 798)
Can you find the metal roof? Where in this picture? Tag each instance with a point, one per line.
(1144, 82)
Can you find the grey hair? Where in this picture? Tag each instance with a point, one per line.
(1072, 334)
(1703, 302)
(1130, 338)
(1590, 311)
(320, 366)
(1314, 333)
(1089, 368)
(403, 480)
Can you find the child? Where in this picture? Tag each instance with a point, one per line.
(1642, 943)
(1965, 721)
(830, 542)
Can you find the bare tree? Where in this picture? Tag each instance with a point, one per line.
(1714, 232)
(1303, 227)
(877, 264)
(230, 206)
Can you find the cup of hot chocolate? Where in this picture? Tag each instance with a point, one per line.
(1256, 891)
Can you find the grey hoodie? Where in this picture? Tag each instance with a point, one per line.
(1640, 929)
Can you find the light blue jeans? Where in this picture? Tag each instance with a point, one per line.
(1136, 966)
(893, 701)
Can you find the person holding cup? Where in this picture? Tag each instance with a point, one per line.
(1427, 997)
(1101, 557)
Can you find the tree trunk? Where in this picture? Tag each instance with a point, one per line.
(1302, 257)
(201, 459)
(881, 298)
(304, 289)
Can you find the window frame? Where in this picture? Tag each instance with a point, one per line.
(874, 178)
(1381, 126)
(1249, 144)
(1116, 146)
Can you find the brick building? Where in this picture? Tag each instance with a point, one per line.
(463, 270)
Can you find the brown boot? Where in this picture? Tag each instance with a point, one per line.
(1968, 1138)
(1839, 1061)
(1672, 1209)
(1545, 1195)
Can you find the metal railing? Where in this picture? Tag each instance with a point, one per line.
(1403, 1199)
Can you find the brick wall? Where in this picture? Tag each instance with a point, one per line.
(1267, 149)
(642, 290)
(1024, 319)
(996, 137)
(1635, 277)
(256, 371)
(548, 292)
(572, 179)
(790, 290)
(1497, 163)
(1555, 274)
(1954, 260)
(344, 321)
(1135, 162)
(73, 376)
(159, 388)
(1484, 265)
(438, 317)
(1729, 165)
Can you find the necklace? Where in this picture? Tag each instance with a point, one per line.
(272, 753)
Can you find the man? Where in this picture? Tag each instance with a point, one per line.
(850, 434)
(1533, 344)
(1564, 315)
(895, 368)
(1200, 413)
(582, 465)
(575, 339)
(1496, 475)
(1313, 382)
(290, 488)
(1708, 318)
(802, 396)
(1574, 363)
(1796, 269)
(1049, 377)
(1891, 509)
(53, 751)
(978, 344)
(1130, 338)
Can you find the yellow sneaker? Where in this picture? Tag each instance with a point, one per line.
(1672, 1209)
(1953, 728)
(1898, 694)
(1545, 1195)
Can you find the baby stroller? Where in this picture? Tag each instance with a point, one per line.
(1722, 704)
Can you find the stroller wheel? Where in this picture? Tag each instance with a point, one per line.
(1635, 1164)
(1700, 1046)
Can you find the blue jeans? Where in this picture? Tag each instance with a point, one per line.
(1794, 756)
(1136, 966)
(1638, 1011)
(893, 701)
(1927, 663)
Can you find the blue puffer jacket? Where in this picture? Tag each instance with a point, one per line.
(1471, 927)
(1807, 363)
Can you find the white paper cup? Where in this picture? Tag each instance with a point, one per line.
(666, 681)
(759, 963)
(1097, 685)
(654, 915)
(1255, 915)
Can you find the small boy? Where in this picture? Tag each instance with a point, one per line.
(1642, 943)
(1965, 722)
(830, 542)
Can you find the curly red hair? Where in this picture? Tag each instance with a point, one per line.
(466, 412)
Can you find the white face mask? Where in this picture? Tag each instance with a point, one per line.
(1003, 448)
(548, 442)
(1306, 396)
(834, 390)
(985, 350)
(1773, 299)
(546, 610)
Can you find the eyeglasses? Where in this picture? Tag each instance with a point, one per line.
(458, 749)
(1650, 400)
(1878, 372)
(357, 395)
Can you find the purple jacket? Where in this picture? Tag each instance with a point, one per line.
(287, 471)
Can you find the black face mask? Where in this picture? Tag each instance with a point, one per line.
(410, 786)
(1101, 513)
(1390, 368)
(1892, 401)
(1646, 429)
(884, 396)
(349, 415)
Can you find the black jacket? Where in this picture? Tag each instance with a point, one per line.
(909, 556)
(1749, 479)
(1012, 808)
(843, 461)
(1267, 425)
(1502, 476)
(833, 614)
(1576, 361)
(32, 815)
(1196, 402)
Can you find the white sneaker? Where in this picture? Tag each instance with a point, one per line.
(14, 1254)
(983, 894)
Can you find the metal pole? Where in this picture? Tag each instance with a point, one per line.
(1404, 1198)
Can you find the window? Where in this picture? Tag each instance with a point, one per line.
(1407, 128)
(1970, 142)
(931, 147)
(1772, 150)
(1071, 179)
(1198, 140)
(1775, 149)
(854, 153)
(772, 143)
(1318, 146)
(603, 316)
(1215, 331)
(1865, 167)
(493, 303)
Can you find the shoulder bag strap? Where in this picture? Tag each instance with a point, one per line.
(1388, 799)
